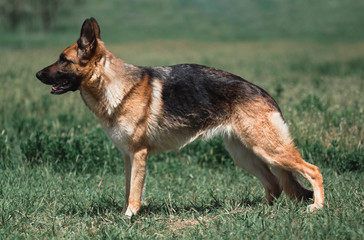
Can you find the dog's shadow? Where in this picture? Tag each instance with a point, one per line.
(201, 208)
(158, 207)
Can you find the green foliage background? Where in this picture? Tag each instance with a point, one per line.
(202, 20)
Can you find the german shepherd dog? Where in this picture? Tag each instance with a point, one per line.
(145, 110)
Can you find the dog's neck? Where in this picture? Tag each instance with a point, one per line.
(109, 83)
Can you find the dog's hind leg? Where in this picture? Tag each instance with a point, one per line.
(268, 137)
(288, 159)
(246, 159)
(291, 184)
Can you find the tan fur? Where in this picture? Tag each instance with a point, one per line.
(269, 142)
(246, 159)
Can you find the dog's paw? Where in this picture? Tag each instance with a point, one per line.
(314, 207)
(129, 213)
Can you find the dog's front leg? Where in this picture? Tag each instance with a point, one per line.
(137, 177)
(127, 166)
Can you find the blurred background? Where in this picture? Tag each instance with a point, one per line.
(26, 23)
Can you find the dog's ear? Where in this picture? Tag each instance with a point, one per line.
(96, 27)
(90, 32)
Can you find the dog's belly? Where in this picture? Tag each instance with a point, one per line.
(172, 139)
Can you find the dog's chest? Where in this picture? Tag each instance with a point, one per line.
(120, 134)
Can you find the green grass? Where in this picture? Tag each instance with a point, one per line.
(61, 178)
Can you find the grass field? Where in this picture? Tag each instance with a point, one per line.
(61, 178)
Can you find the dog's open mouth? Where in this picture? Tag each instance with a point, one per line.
(62, 87)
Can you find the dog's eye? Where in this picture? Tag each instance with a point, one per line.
(63, 59)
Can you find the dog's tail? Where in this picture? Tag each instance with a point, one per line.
(291, 185)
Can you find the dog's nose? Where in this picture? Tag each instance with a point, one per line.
(39, 75)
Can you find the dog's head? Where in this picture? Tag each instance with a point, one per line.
(75, 63)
